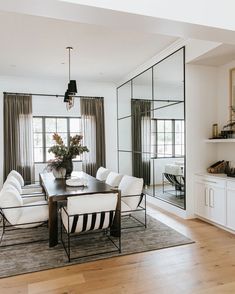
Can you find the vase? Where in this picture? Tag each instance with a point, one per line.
(59, 173)
(68, 164)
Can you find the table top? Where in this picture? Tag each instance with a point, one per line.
(58, 189)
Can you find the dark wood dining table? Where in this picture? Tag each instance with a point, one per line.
(57, 191)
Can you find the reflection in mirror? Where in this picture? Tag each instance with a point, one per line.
(232, 95)
(142, 85)
(151, 140)
(124, 134)
(124, 100)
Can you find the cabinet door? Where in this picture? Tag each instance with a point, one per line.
(201, 199)
(217, 204)
(231, 209)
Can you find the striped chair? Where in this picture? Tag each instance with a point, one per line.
(89, 213)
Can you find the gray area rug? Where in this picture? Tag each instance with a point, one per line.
(32, 257)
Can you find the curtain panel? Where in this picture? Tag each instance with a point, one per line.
(141, 138)
(92, 114)
(18, 136)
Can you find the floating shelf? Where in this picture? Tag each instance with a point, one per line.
(220, 140)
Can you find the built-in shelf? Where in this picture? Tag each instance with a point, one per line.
(220, 141)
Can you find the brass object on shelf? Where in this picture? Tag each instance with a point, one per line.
(215, 132)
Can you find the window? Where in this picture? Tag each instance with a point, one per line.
(167, 138)
(45, 127)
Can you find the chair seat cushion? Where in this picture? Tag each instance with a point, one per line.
(27, 199)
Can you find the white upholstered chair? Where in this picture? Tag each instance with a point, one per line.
(113, 179)
(18, 214)
(88, 213)
(26, 189)
(132, 197)
(102, 174)
(11, 181)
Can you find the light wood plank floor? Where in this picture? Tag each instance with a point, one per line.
(208, 266)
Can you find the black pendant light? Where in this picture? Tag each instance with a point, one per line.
(72, 87)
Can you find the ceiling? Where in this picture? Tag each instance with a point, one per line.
(34, 46)
(216, 57)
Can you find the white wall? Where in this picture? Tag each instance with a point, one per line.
(52, 106)
(201, 93)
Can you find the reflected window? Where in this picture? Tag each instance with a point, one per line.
(45, 127)
(167, 138)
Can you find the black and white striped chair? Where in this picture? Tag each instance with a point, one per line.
(133, 200)
(89, 213)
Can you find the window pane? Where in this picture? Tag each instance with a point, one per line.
(49, 140)
(178, 138)
(37, 124)
(61, 125)
(168, 150)
(51, 125)
(75, 125)
(49, 155)
(38, 154)
(160, 138)
(160, 125)
(168, 126)
(64, 137)
(160, 151)
(178, 151)
(37, 140)
(178, 126)
(168, 138)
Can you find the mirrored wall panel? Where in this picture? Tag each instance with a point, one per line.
(151, 129)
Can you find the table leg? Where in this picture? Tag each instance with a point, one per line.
(115, 229)
(53, 223)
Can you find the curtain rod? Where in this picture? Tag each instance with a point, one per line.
(50, 95)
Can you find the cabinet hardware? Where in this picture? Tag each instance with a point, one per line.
(206, 198)
(211, 197)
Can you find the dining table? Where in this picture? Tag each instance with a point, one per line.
(57, 191)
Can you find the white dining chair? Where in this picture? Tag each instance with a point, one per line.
(102, 174)
(15, 213)
(113, 179)
(86, 214)
(132, 198)
(27, 189)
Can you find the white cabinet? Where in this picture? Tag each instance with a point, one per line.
(231, 205)
(210, 199)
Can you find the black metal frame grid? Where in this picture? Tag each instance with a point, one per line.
(174, 102)
(129, 213)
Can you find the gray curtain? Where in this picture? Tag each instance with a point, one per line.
(141, 138)
(92, 113)
(18, 136)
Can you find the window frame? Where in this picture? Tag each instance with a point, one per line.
(44, 132)
(154, 155)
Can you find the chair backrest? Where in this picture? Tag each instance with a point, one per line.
(113, 179)
(11, 181)
(131, 186)
(18, 176)
(95, 211)
(10, 197)
(102, 174)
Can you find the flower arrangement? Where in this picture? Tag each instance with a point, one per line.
(64, 154)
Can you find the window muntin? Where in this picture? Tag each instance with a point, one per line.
(167, 138)
(45, 127)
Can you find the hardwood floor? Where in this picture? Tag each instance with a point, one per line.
(208, 266)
